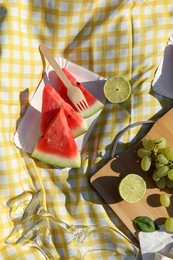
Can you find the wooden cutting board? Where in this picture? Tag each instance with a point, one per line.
(107, 179)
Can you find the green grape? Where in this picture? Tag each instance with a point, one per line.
(160, 142)
(161, 183)
(161, 172)
(169, 224)
(154, 152)
(165, 200)
(168, 153)
(142, 152)
(162, 159)
(158, 165)
(155, 176)
(169, 183)
(170, 174)
(146, 163)
(147, 143)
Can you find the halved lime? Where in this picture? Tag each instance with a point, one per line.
(132, 188)
(117, 89)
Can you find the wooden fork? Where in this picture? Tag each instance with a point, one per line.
(74, 93)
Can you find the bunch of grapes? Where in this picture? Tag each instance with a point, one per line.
(155, 154)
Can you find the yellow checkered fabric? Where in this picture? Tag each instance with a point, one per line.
(110, 37)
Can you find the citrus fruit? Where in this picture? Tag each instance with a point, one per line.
(132, 188)
(117, 89)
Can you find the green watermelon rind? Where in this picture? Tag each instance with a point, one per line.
(79, 131)
(58, 161)
(97, 106)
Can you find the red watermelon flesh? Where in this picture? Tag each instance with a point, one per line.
(94, 104)
(57, 146)
(51, 104)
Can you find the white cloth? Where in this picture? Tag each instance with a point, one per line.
(157, 241)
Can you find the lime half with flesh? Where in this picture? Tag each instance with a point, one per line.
(132, 188)
(117, 89)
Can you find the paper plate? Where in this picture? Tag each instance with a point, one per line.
(163, 80)
(28, 131)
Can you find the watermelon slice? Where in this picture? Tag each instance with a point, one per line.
(51, 104)
(57, 145)
(94, 104)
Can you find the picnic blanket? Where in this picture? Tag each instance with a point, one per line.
(108, 37)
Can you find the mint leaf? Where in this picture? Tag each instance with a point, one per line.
(146, 224)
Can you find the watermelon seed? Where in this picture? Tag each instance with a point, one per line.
(49, 140)
(78, 83)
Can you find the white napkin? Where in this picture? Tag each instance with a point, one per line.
(157, 241)
(162, 82)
